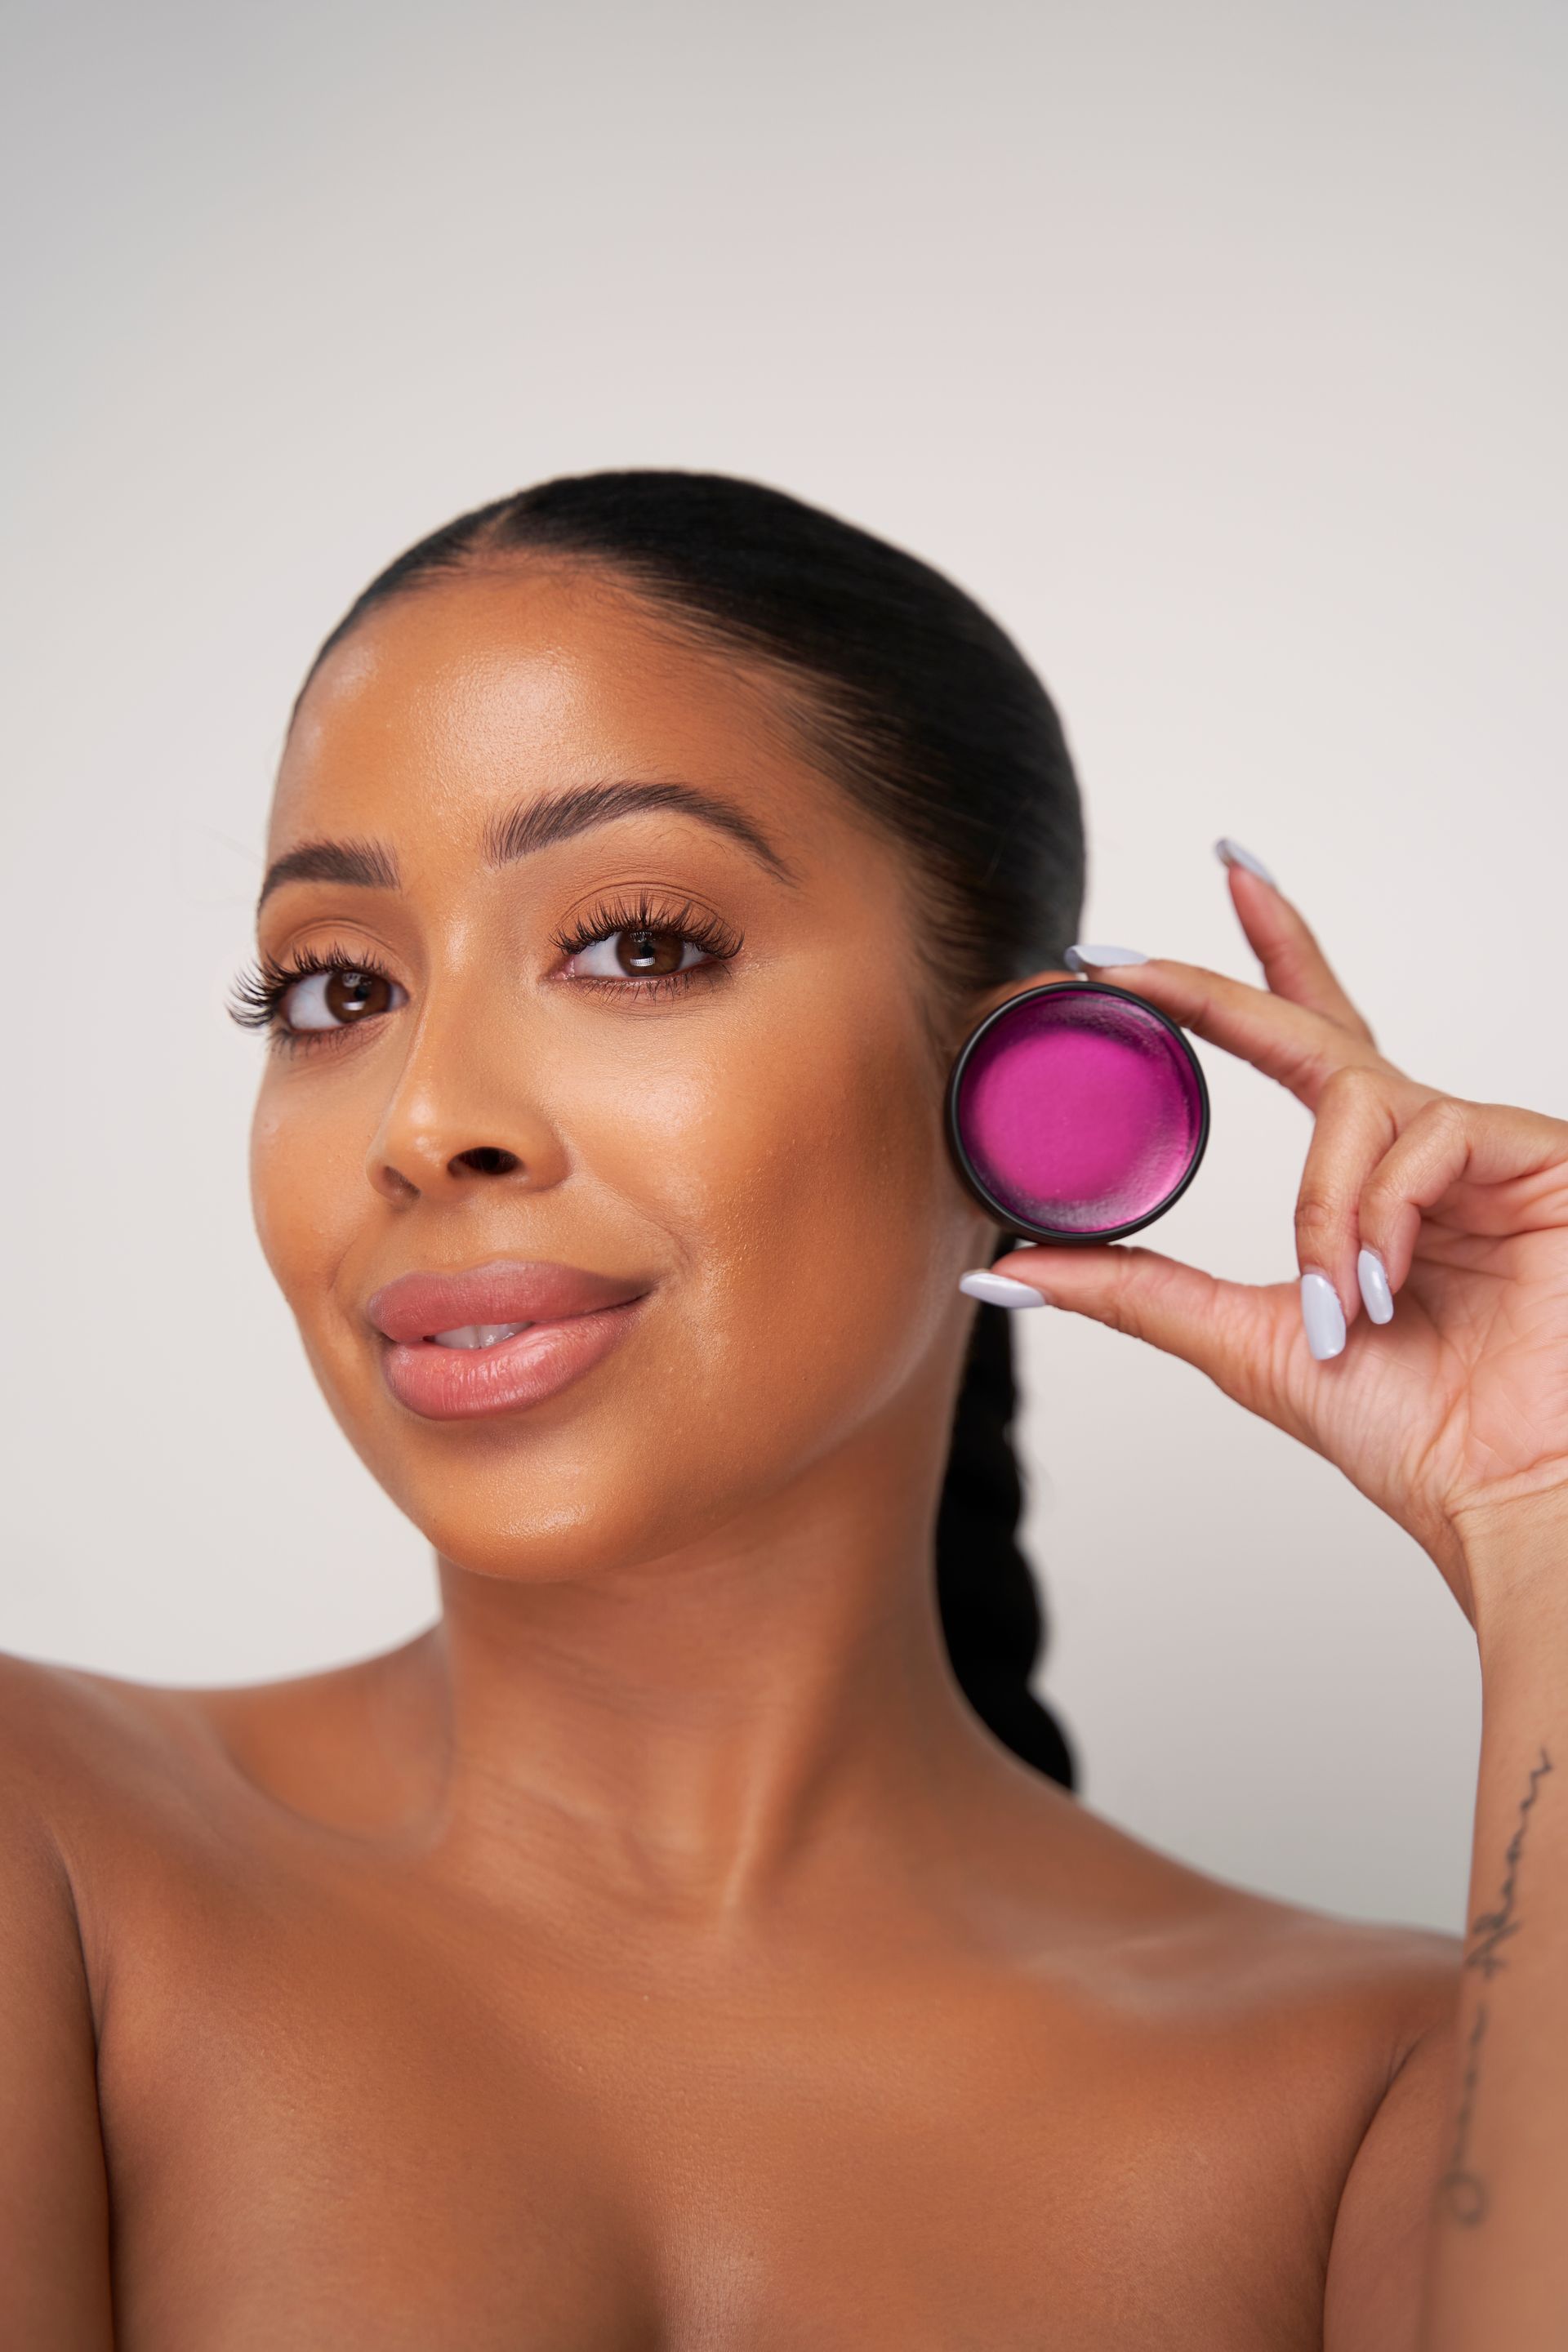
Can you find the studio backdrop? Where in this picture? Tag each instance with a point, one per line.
(1217, 349)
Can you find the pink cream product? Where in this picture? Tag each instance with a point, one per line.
(1077, 1112)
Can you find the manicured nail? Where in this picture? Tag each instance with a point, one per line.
(1078, 959)
(1323, 1316)
(1376, 1296)
(1000, 1289)
(1231, 853)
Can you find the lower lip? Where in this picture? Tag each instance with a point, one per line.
(468, 1383)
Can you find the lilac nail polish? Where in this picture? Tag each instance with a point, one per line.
(1323, 1316)
(1376, 1296)
(1231, 853)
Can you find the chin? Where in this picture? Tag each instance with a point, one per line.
(530, 1504)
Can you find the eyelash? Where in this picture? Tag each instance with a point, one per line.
(689, 922)
(257, 998)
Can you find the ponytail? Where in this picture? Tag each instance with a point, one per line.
(992, 1616)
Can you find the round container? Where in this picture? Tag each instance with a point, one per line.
(1077, 1112)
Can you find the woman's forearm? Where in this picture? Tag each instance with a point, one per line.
(1499, 2264)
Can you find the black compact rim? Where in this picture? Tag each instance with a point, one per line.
(974, 1181)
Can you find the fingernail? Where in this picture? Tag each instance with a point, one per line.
(1078, 959)
(1376, 1296)
(1000, 1289)
(1323, 1316)
(1231, 853)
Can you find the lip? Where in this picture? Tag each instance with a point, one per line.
(576, 1318)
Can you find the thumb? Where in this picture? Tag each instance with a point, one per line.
(1222, 1328)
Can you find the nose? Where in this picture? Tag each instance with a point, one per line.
(461, 1116)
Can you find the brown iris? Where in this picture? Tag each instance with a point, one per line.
(356, 995)
(644, 952)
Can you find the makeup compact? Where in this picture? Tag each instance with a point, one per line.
(1077, 1112)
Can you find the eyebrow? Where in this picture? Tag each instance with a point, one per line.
(530, 826)
(364, 863)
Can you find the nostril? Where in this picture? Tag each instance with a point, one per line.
(486, 1159)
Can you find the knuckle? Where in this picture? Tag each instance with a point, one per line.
(1380, 1195)
(1291, 965)
(1446, 1113)
(1127, 1302)
(1123, 1294)
(1353, 1081)
(1317, 1212)
(1301, 1074)
(1437, 1129)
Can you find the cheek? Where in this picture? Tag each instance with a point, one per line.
(307, 1191)
(804, 1193)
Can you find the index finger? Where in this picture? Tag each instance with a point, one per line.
(1293, 1043)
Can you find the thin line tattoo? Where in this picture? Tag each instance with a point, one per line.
(1461, 2189)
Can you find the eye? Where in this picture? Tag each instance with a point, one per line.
(337, 997)
(317, 994)
(638, 952)
(632, 948)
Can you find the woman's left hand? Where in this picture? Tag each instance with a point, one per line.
(1452, 1416)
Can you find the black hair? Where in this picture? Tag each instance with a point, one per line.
(929, 718)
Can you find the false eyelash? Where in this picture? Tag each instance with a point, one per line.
(256, 998)
(688, 921)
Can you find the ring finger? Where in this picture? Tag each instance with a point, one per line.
(1357, 1122)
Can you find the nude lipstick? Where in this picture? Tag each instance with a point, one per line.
(496, 1337)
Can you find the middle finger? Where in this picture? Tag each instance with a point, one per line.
(1285, 944)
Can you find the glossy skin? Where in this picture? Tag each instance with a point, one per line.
(656, 1952)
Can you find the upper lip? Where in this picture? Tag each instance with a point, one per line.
(506, 1290)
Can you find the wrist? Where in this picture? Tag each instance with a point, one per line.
(1515, 1559)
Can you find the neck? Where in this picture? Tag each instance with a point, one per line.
(771, 1703)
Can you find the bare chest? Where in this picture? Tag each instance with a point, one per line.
(329, 2126)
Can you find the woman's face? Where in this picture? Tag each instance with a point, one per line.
(701, 1159)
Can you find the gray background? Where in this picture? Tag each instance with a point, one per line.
(1218, 349)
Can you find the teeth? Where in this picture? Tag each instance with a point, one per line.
(477, 1335)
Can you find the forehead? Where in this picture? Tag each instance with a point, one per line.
(457, 699)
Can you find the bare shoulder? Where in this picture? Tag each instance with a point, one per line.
(67, 1734)
(1349, 2029)
(336, 1743)
(1359, 1994)
(110, 1774)
(99, 1775)
(57, 1723)
(54, 2236)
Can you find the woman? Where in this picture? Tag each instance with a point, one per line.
(686, 1942)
